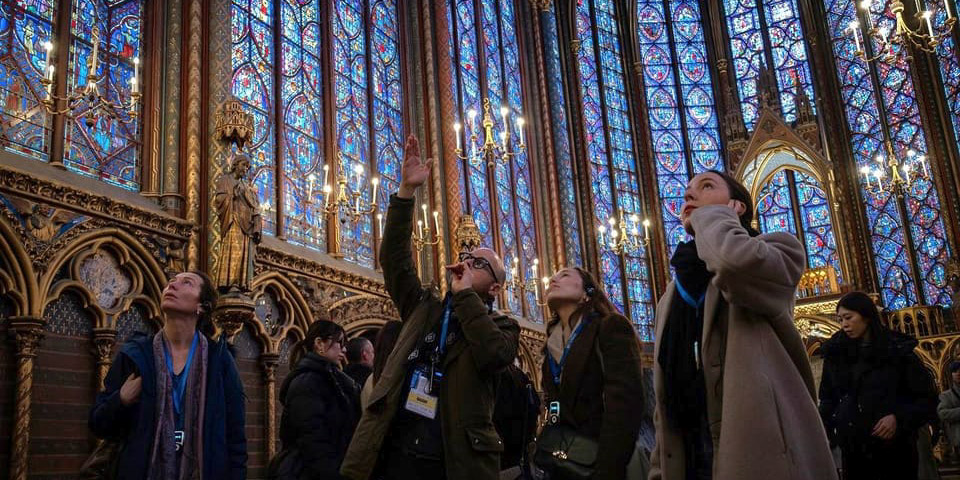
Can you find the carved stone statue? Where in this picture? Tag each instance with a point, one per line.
(235, 202)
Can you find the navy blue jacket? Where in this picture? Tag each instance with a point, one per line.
(224, 442)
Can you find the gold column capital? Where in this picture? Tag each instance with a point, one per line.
(27, 333)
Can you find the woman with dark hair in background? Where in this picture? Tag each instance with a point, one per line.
(591, 377)
(382, 346)
(321, 407)
(174, 400)
(875, 394)
(734, 389)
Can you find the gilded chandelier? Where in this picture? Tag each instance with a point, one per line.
(623, 237)
(489, 151)
(917, 31)
(892, 175)
(89, 94)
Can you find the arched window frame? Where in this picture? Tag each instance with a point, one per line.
(375, 115)
(64, 141)
(611, 161)
(881, 106)
(502, 200)
(748, 24)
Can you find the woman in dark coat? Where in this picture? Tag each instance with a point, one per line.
(875, 394)
(321, 407)
(592, 369)
(174, 400)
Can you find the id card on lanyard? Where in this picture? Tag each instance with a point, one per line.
(179, 388)
(425, 385)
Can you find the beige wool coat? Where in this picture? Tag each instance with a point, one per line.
(760, 389)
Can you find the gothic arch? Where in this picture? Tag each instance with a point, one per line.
(147, 276)
(17, 279)
(294, 309)
(765, 159)
(362, 312)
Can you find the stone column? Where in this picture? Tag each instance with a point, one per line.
(27, 333)
(269, 363)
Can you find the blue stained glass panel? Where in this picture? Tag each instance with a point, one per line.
(746, 45)
(898, 288)
(352, 118)
(775, 207)
(818, 236)
(108, 150)
(607, 118)
(25, 27)
(252, 59)
(789, 53)
(387, 98)
(561, 138)
(301, 100)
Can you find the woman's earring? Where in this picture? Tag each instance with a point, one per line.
(321, 351)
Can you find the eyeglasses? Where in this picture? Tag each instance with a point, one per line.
(479, 263)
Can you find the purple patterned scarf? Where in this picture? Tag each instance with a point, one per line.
(163, 458)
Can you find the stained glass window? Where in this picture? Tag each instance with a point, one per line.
(613, 169)
(24, 29)
(561, 138)
(793, 201)
(767, 33)
(302, 102)
(108, 149)
(907, 275)
(680, 103)
(484, 43)
(253, 76)
(365, 109)
(949, 70)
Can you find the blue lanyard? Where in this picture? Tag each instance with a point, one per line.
(556, 369)
(687, 297)
(180, 384)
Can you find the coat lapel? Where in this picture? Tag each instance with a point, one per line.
(576, 362)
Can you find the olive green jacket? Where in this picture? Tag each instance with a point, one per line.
(488, 344)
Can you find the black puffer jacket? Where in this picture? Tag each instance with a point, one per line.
(321, 408)
(862, 385)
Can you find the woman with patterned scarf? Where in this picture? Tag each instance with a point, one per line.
(734, 389)
(173, 401)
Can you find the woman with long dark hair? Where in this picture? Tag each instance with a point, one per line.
(590, 378)
(321, 407)
(734, 389)
(174, 400)
(875, 394)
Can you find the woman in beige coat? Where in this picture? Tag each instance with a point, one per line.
(735, 393)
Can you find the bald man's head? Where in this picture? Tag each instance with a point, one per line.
(486, 281)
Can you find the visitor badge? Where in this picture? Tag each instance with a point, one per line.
(419, 400)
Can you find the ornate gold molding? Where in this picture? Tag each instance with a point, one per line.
(27, 333)
(232, 312)
(194, 130)
(816, 308)
(113, 209)
(267, 257)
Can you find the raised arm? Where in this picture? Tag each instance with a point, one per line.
(396, 257)
(760, 273)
